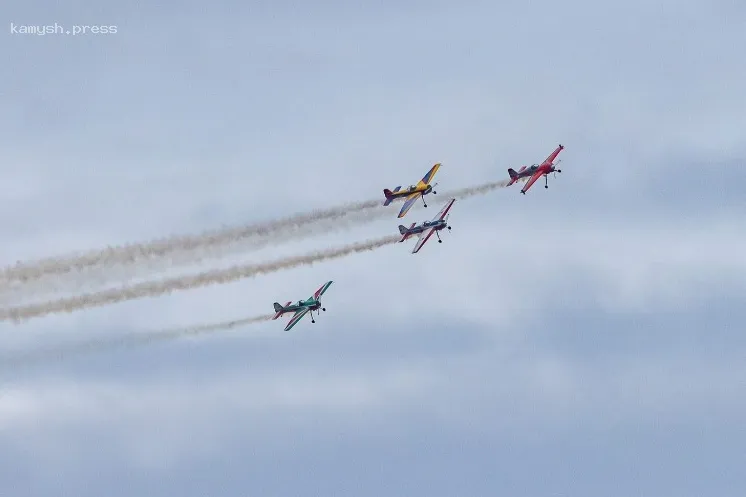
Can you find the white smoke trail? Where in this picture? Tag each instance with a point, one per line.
(122, 341)
(471, 191)
(127, 254)
(103, 267)
(95, 277)
(156, 288)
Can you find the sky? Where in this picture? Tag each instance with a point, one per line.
(584, 339)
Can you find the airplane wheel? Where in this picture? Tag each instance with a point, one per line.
(434, 192)
(440, 241)
(546, 186)
(323, 309)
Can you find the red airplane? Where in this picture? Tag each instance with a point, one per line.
(536, 171)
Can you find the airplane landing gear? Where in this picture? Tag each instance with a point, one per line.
(323, 309)
(449, 228)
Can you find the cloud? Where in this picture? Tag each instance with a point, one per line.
(524, 393)
(555, 343)
(150, 423)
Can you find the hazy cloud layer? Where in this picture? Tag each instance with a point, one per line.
(582, 339)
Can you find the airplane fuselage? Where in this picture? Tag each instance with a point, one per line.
(436, 225)
(528, 172)
(409, 191)
(543, 170)
(312, 304)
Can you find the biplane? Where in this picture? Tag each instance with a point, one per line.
(412, 193)
(303, 307)
(536, 171)
(425, 230)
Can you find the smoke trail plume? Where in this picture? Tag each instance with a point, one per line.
(156, 288)
(126, 254)
(101, 268)
(94, 277)
(193, 248)
(123, 341)
(477, 190)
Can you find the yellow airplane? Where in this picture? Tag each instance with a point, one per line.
(413, 192)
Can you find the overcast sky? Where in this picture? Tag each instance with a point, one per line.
(585, 339)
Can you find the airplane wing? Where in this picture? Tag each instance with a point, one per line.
(423, 237)
(296, 317)
(531, 181)
(318, 293)
(553, 155)
(426, 179)
(444, 211)
(408, 203)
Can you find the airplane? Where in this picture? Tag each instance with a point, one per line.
(426, 229)
(302, 307)
(536, 171)
(413, 192)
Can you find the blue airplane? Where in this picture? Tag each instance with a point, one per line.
(425, 230)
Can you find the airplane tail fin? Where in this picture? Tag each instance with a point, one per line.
(280, 310)
(390, 195)
(404, 231)
(513, 176)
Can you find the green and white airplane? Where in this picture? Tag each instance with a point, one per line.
(303, 307)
